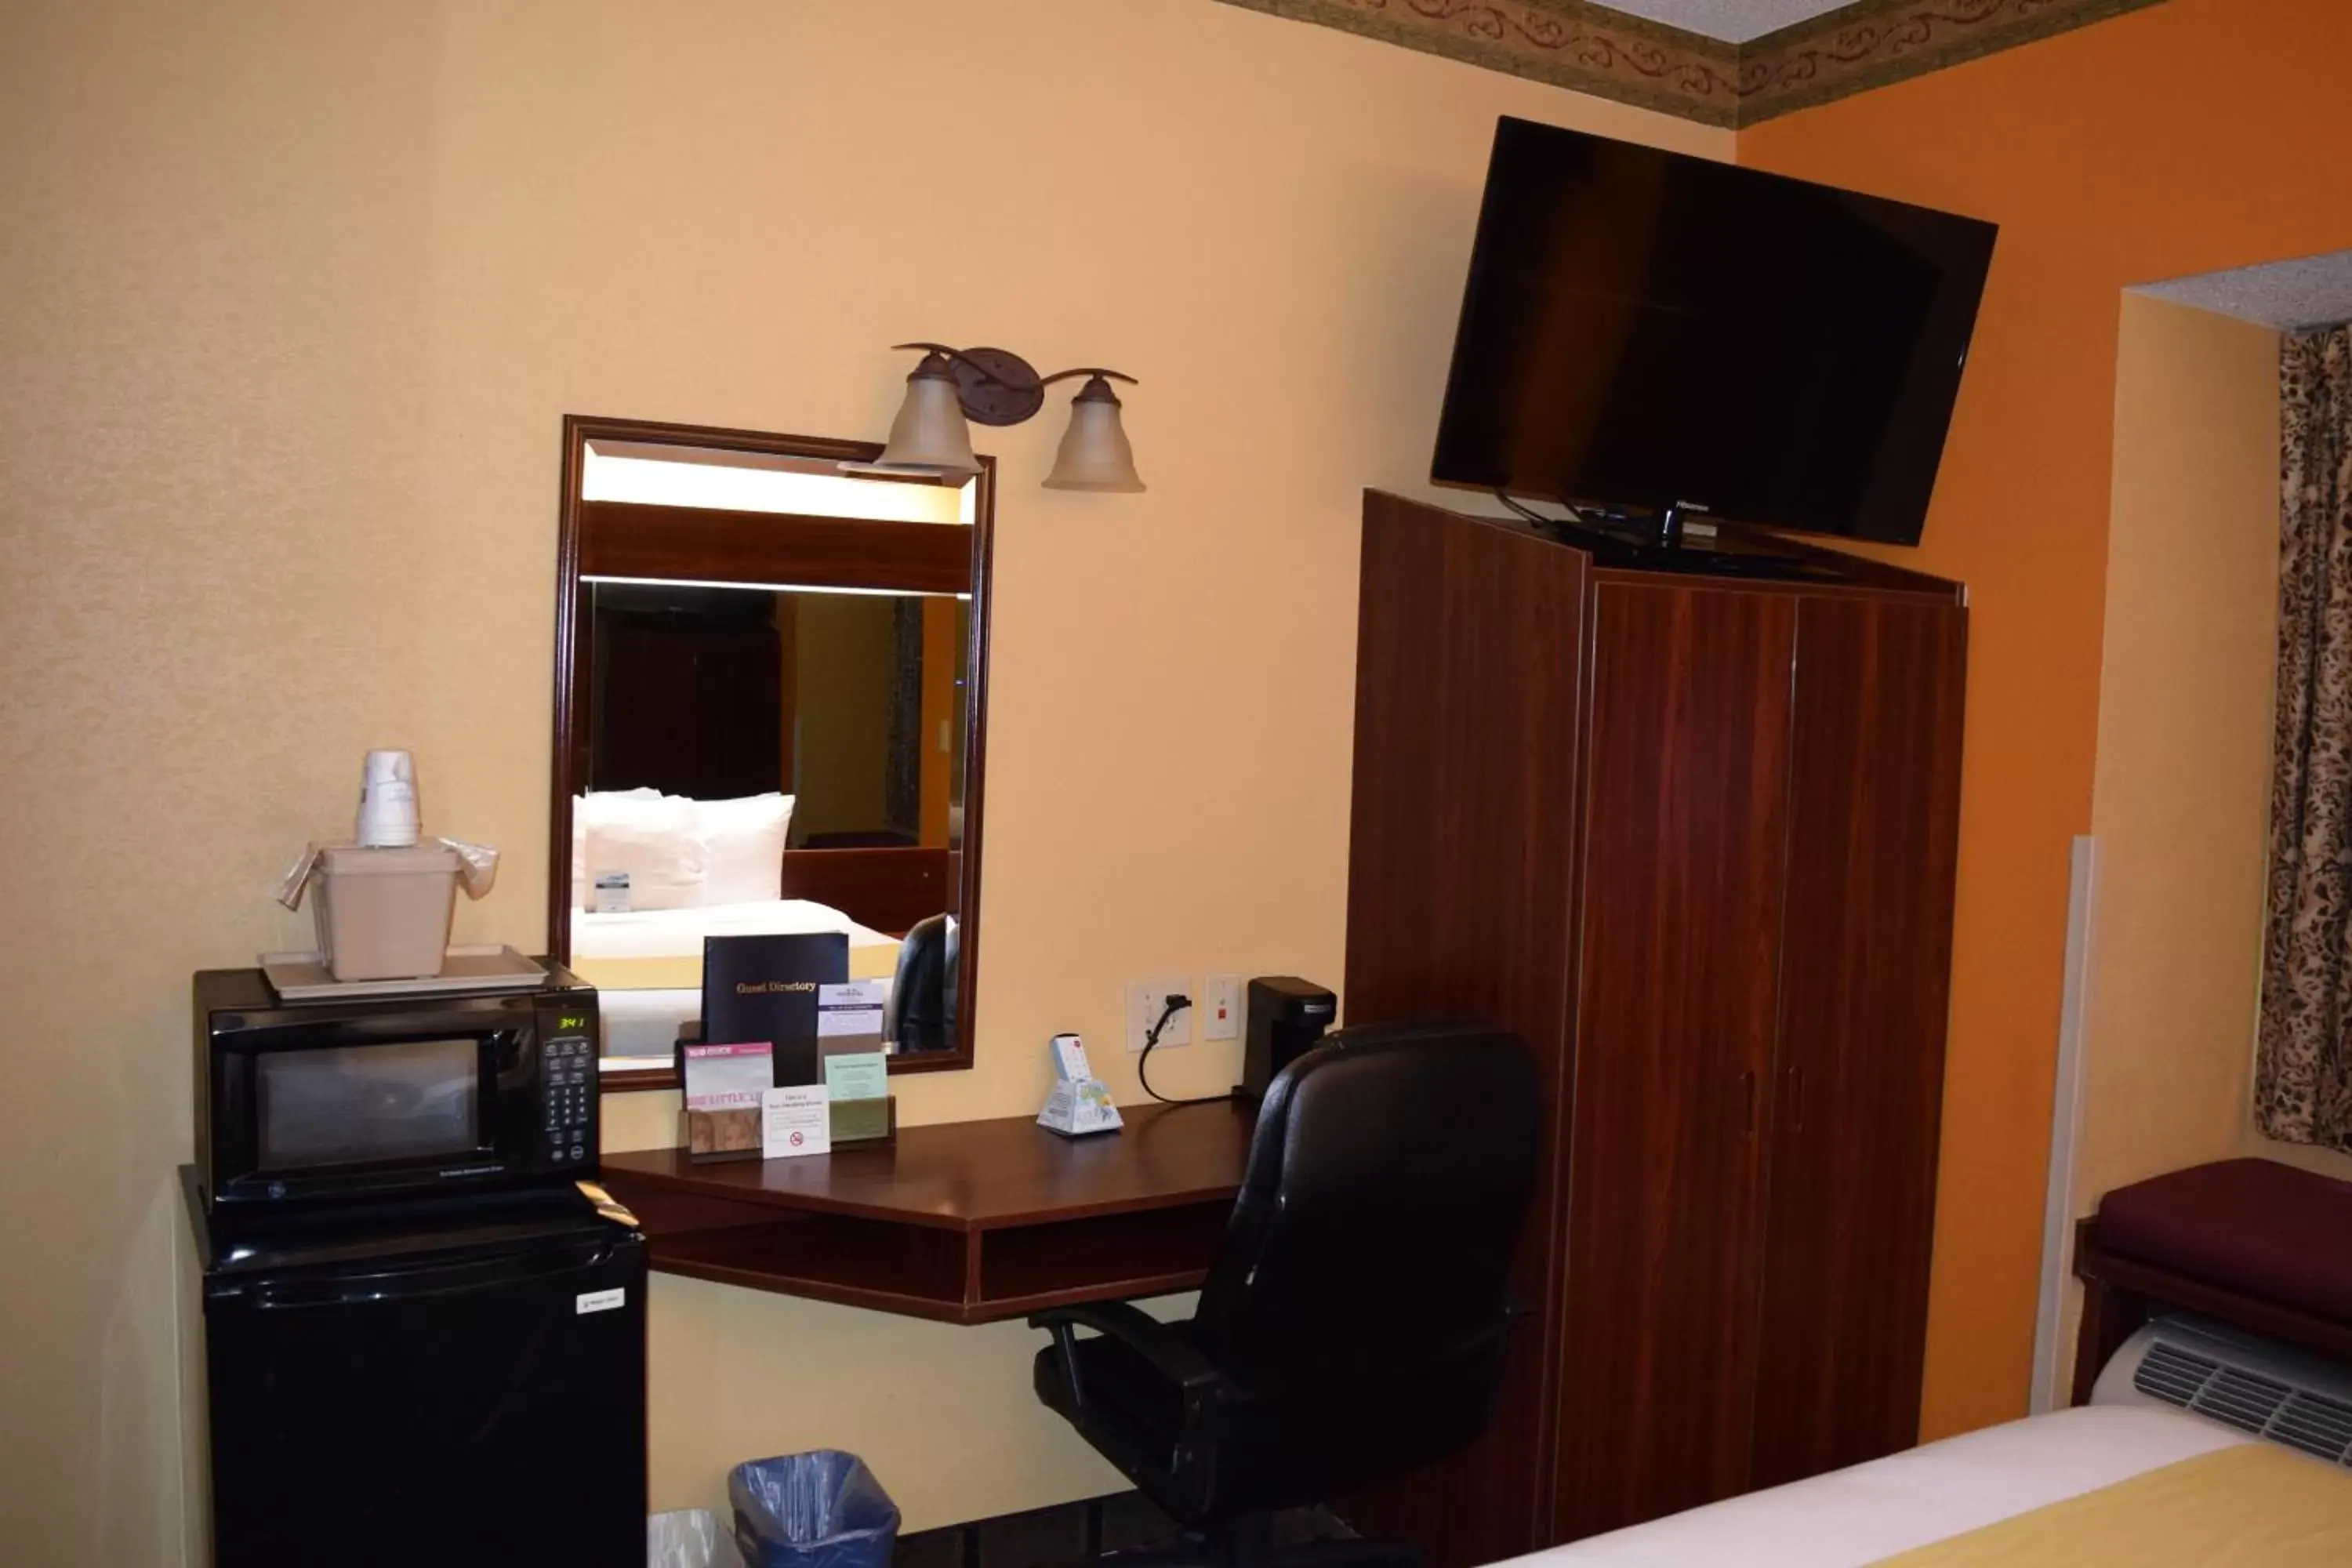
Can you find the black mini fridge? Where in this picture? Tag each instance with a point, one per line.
(459, 1391)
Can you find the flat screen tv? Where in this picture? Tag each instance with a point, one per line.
(1643, 329)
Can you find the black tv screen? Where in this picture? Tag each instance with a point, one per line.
(1641, 328)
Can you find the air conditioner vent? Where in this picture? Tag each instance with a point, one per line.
(2319, 1427)
(2172, 1374)
(2297, 1416)
(2240, 1399)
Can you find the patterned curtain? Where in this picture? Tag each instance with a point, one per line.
(2303, 1074)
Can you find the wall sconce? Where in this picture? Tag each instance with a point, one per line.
(930, 434)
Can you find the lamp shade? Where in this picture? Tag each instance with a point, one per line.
(1094, 454)
(929, 433)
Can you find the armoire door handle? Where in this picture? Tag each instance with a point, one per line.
(1748, 1097)
(1797, 1095)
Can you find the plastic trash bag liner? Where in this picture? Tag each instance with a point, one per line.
(689, 1538)
(823, 1510)
(477, 868)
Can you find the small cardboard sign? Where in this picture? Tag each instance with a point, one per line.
(796, 1119)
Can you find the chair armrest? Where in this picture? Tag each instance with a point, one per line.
(1168, 1353)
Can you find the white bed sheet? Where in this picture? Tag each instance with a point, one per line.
(678, 933)
(1910, 1499)
(643, 1024)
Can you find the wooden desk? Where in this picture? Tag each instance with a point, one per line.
(966, 1222)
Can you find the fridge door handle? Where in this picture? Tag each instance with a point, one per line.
(418, 1283)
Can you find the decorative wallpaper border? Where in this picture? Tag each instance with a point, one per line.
(1877, 42)
(1587, 48)
(1565, 42)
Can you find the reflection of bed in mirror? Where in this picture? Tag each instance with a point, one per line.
(770, 683)
(647, 964)
(654, 876)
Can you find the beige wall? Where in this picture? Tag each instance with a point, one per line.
(2327, 1162)
(2181, 797)
(294, 297)
(2182, 804)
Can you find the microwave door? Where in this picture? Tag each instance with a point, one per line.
(306, 1113)
(359, 1105)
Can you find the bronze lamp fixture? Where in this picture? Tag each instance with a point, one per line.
(952, 386)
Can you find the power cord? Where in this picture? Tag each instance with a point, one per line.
(1667, 528)
(1604, 522)
(1575, 518)
(1524, 512)
(1175, 1003)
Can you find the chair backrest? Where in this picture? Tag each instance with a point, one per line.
(921, 1009)
(1372, 1244)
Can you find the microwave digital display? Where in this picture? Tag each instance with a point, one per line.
(352, 1105)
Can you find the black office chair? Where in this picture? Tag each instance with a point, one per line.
(1354, 1320)
(920, 1014)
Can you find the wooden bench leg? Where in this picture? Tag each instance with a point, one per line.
(2110, 1317)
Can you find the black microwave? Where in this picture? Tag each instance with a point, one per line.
(306, 1106)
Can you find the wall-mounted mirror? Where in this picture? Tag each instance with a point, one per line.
(769, 717)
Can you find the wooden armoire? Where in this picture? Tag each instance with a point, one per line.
(1692, 836)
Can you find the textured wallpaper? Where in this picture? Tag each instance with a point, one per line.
(295, 299)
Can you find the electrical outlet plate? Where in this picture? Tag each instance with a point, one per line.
(1145, 998)
(1221, 1007)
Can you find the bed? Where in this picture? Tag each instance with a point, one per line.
(2096, 1483)
(647, 964)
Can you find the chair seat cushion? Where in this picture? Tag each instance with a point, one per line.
(2254, 1227)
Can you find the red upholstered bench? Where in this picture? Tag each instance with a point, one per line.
(2258, 1245)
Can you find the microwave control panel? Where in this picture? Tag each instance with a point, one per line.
(567, 1099)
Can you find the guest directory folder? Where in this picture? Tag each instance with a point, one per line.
(765, 988)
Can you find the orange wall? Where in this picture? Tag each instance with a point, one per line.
(2177, 140)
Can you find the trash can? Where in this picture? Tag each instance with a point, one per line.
(689, 1538)
(823, 1510)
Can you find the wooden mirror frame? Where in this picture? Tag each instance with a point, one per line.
(695, 544)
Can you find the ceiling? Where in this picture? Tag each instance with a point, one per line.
(1732, 21)
(2309, 291)
(1719, 62)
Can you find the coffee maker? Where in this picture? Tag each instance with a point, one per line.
(1286, 1016)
